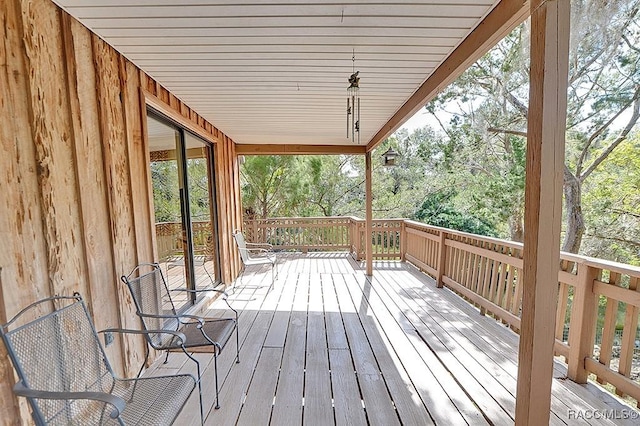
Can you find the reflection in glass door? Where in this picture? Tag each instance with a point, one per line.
(181, 172)
(201, 214)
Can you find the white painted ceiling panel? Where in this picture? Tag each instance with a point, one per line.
(276, 72)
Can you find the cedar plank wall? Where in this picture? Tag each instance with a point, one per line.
(75, 211)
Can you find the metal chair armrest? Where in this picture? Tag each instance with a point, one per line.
(225, 296)
(202, 290)
(259, 250)
(177, 334)
(176, 317)
(268, 246)
(118, 403)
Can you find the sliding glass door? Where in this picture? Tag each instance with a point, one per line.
(199, 169)
(181, 167)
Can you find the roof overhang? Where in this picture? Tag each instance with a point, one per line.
(273, 76)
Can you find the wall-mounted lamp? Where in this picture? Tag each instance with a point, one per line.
(389, 158)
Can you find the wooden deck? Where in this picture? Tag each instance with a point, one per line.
(328, 346)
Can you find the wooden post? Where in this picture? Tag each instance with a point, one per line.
(369, 215)
(403, 241)
(355, 224)
(543, 207)
(583, 323)
(254, 232)
(442, 258)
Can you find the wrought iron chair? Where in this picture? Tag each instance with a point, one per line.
(65, 375)
(255, 254)
(157, 311)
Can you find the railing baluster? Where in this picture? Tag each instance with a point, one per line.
(629, 333)
(609, 327)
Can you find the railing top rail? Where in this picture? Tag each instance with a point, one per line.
(507, 243)
(302, 219)
(590, 261)
(612, 266)
(316, 218)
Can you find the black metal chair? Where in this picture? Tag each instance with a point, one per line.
(65, 375)
(156, 309)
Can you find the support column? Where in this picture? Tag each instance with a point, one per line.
(543, 207)
(369, 214)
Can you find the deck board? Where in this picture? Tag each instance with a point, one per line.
(287, 409)
(330, 346)
(377, 401)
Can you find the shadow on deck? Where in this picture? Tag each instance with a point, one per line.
(329, 346)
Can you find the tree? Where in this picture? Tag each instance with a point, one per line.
(271, 185)
(335, 188)
(604, 90)
(612, 205)
(439, 210)
(604, 79)
(274, 185)
(166, 191)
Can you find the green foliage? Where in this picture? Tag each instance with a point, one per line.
(166, 192)
(282, 186)
(272, 184)
(484, 116)
(439, 210)
(198, 189)
(612, 206)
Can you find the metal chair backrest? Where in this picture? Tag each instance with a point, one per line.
(58, 350)
(242, 246)
(152, 298)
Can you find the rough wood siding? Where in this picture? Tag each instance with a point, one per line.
(89, 162)
(24, 266)
(75, 206)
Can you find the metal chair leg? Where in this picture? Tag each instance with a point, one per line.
(215, 368)
(237, 344)
(199, 384)
(240, 277)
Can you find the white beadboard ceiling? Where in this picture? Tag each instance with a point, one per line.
(276, 71)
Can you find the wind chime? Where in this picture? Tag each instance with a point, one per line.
(353, 104)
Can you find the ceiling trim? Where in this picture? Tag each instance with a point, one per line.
(149, 99)
(282, 149)
(496, 25)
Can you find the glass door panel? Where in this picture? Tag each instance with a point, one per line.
(199, 171)
(165, 157)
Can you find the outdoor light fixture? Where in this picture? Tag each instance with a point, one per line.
(353, 104)
(389, 158)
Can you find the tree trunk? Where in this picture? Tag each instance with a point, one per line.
(516, 226)
(575, 219)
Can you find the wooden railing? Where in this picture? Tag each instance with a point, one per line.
(488, 273)
(328, 233)
(598, 301)
(169, 238)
